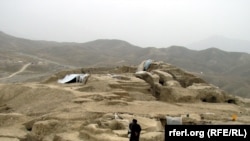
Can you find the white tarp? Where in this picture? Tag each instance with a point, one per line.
(174, 120)
(147, 63)
(74, 77)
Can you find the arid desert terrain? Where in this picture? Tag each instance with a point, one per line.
(100, 109)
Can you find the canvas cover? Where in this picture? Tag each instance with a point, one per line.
(147, 63)
(174, 120)
(74, 78)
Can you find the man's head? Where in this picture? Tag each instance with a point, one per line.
(134, 121)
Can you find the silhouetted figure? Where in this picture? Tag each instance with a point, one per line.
(134, 131)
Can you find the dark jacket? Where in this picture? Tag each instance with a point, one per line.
(135, 130)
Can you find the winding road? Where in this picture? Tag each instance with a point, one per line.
(15, 73)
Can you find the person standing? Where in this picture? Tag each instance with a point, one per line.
(134, 131)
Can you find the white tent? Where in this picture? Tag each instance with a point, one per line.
(74, 78)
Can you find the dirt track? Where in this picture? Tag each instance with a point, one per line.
(20, 71)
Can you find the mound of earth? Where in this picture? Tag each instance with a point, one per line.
(171, 84)
(103, 107)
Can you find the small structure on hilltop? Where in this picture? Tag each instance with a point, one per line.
(74, 78)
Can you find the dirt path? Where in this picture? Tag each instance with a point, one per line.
(15, 73)
(46, 60)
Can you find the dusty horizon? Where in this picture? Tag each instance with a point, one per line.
(145, 23)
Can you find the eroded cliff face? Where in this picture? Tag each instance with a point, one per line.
(171, 84)
(102, 108)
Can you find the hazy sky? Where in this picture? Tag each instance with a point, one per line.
(157, 23)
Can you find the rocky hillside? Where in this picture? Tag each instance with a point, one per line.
(227, 70)
(102, 108)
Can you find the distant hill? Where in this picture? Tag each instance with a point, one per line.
(223, 43)
(228, 70)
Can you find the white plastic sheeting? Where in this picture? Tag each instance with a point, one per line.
(75, 78)
(147, 63)
(174, 120)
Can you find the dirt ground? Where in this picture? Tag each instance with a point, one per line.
(85, 112)
(101, 109)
